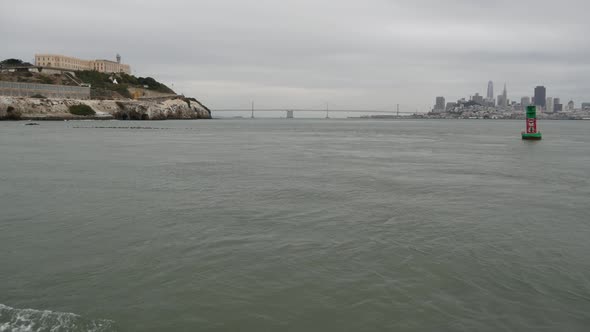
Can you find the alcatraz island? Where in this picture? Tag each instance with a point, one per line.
(59, 87)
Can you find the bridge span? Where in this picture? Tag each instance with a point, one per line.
(290, 111)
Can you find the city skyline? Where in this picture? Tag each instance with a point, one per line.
(514, 96)
(539, 98)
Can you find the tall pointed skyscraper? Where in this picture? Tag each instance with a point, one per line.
(490, 95)
(505, 96)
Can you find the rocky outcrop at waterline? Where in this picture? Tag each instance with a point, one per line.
(17, 108)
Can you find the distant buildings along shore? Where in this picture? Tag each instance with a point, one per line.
(502, 103)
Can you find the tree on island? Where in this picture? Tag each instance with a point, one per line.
(14, 63)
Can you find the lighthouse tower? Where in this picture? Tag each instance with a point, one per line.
(531, 132)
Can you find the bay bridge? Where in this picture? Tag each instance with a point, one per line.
(289, 112)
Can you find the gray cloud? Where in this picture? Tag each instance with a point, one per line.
(303, 53)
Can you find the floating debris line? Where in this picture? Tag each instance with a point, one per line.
(147, 128)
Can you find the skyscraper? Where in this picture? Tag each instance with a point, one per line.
(570, 105)
(549, 105)
(490, 95)
(557, 106)
(478, 99)
(501, 101)
(540, 95)
(440, 104)
(504, 97)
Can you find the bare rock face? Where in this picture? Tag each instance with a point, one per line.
(50, 109)
(166, 109)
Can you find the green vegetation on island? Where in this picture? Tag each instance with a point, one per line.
(105, 81)
(14, 63)
(81, 109)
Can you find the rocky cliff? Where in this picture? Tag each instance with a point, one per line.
(55, 109)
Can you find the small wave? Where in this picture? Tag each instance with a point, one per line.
(29, 320)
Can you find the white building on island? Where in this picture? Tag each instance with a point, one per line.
(56, 61)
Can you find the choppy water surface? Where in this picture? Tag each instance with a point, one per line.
(297, 225)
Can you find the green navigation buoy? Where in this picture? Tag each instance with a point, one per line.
(531, 132)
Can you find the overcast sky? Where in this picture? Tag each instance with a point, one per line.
(369, 54)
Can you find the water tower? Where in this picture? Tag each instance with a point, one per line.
(118, 58)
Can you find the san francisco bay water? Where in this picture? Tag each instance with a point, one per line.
(294, 225)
